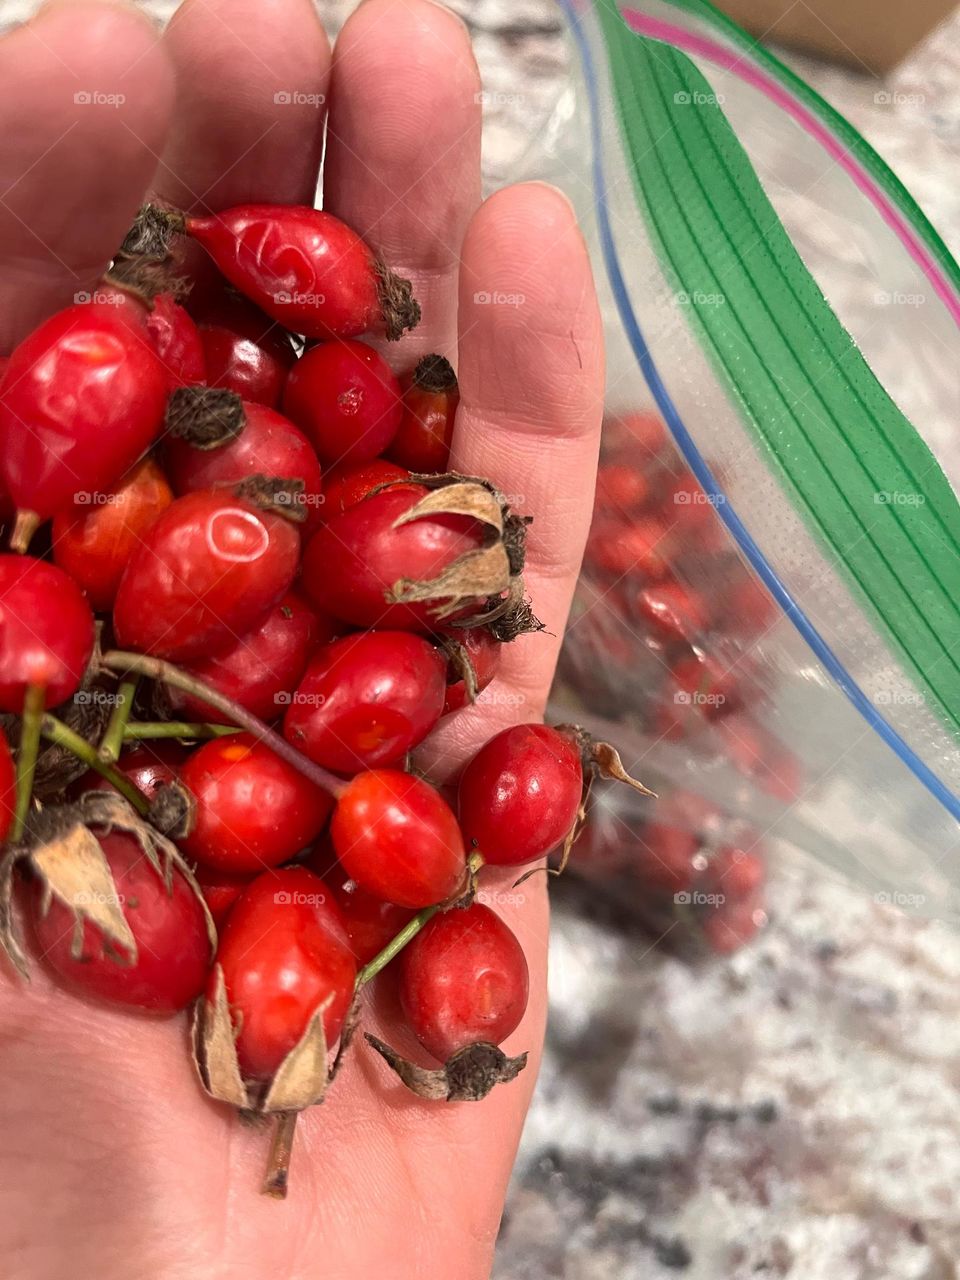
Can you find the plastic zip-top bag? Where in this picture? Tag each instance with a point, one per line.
(770, 600)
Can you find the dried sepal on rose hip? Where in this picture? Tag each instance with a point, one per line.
(278, 998)
(116, 910)
(483, 587)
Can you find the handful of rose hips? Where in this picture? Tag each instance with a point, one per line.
(244, 831)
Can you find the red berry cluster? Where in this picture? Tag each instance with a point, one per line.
(235, 483)
(675, 642)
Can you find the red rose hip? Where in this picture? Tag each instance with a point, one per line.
(284, 953)
(46, 631)
(346, 398)
(168, 926)
(430, 399)
(519, 795)
(367, 700)
(397, 838)
(211, 565)
(306, 269)
(94, 539)
(262, 669)
(352, 564)
(253, 810)
(463, 981)
(83, 397)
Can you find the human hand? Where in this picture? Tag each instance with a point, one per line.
(115, 1164)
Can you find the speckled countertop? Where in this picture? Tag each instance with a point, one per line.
(795, 1110)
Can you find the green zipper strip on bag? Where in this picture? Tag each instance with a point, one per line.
(835, 437)
(726, 29)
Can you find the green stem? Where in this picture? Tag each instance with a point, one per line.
(167, 673)
(395, 946)
(33, 704)
(112, 741)
(143, 730)
(410, 930)
(62, 735)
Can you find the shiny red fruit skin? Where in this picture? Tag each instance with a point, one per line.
(149, 767)
(737, 874)
(708, 684)
(640, 548)
(211, 565)
(284, 951)
(484, 653)
(243, 349)
(46, 631)
(176, 340)
(346, 398)
(303, 267)
(269, 445)
(666, 858)
(8, 787)
(371, 923)
(397, 838)
(220, 891)
(732, 926)
(366, 700)
(94, 540)
(347, 485)
(622, 488)
(422, 441)
(263, 668)
(173, 949)
(83, 397)
(253, 810)
(463, 980)
(355, 559)
(519, 795)
(673, 611)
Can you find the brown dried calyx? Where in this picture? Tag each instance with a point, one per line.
(487, 582)
(599, 760)
(153, 232)
(300, 1081)
(145, 277)
(282, 495)
(467, 1076)
(205, 417)
(63, 852)
(434, 373)
(400, 308)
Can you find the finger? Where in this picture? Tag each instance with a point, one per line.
(251, 88)
(403, 152)
(85, 100)
(531, 386)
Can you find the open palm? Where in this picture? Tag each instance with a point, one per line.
(113, 1163)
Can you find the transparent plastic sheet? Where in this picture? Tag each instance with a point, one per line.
(825, 710)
